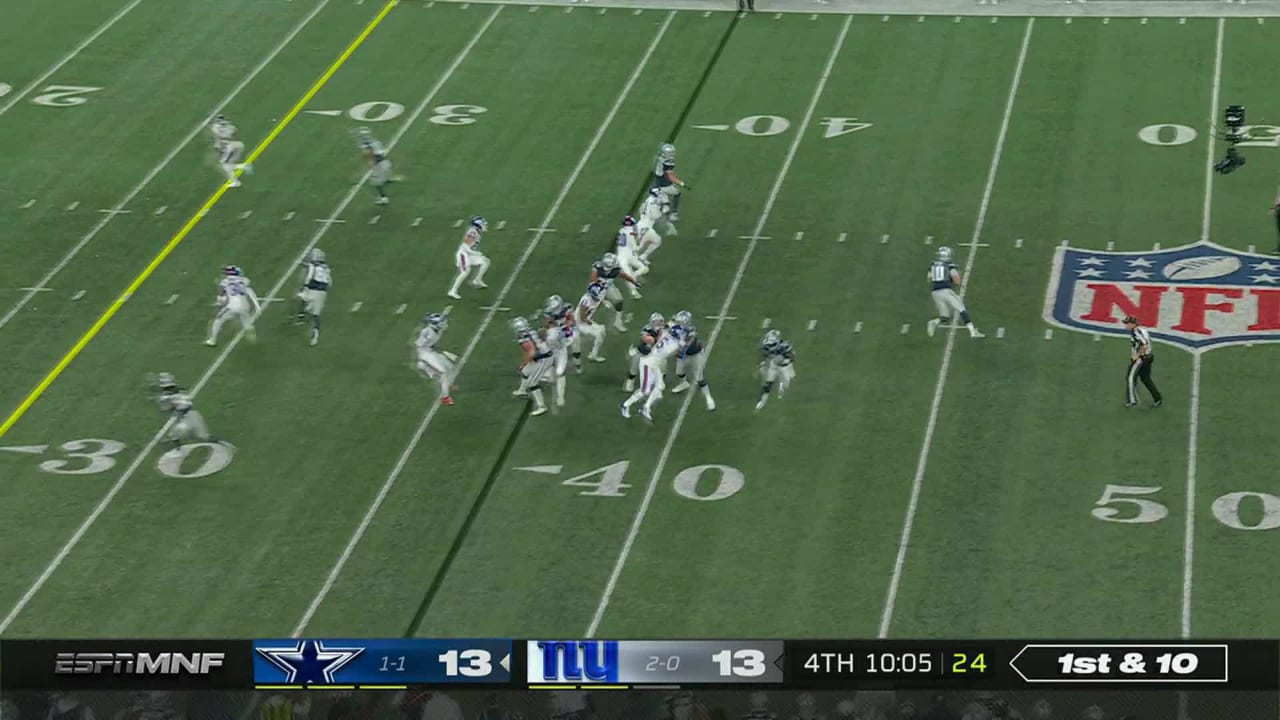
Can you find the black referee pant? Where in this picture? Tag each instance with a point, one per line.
(747, 5)
(1140, 369)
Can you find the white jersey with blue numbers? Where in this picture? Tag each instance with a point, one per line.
(234, 286)
(668, 344)
(940, 274)
(626, 239)
(319, 277)
(651, 211)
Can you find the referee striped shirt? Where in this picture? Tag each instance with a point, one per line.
(1139, 337)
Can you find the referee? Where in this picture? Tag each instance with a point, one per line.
(748, 5)
(1140, 361)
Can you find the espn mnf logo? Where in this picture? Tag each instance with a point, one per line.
(581, 662)
(137, 663)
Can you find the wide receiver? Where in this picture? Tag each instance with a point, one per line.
(236, 299)
(429, 360)
(230, 150)
(469, 259)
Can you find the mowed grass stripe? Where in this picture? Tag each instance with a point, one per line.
(195, 219)
(106, 317)
(474, 342)
(42, 284)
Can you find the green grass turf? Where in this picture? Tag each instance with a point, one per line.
(1029, 433)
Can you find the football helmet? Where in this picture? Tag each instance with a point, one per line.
(944, 253)
(771, 339)
(479, 223)
(436, 320)
(317, 255)
(628, 221)
(684, 317)
(656, 320)
(609, 261)
(233, 271)
(554, 304)
(520, 326)
(667, 151)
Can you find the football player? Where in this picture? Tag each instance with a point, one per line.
(629, 253)
(665, 179)
(585, 323)
(691, 360)
(648, 336)
(944, 279)
(230, 150)
(561, 336)
(316, 279)
(604, 272)
(653, 367)
(236, 299)
(375, 155)
(188, 423)
(535, 364)
(434, 363)
(655, 209)
(775, 365)
(469, 259)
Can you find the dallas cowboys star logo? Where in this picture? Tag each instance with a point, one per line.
(310, 662)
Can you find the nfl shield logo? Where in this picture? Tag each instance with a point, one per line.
(1198, 296)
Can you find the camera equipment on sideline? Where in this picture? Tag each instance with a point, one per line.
(1233, 118)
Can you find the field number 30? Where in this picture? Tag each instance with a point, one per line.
(1244, 510)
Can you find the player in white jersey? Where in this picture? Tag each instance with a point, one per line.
(944, 278)
(776, 366)
(229, 149)
(628, 253)
(536, 364)
(236, 299)
(188, 423)
(654, 210)
(648, 336)
(691, 360)
(434, 363)
(665, 179)
(375, 156)
(317, 277)
(469, 259)
(606, 271)
(562, 335)
(584, 318)
(652, 369)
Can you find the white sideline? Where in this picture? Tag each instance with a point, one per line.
(484, 324)
(917, 483)
(17, 97)
(650, 490)
(289, 273)
(111, 214)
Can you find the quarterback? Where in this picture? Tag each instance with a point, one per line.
(944, 278)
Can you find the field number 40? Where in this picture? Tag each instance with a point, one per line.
(1119, 504)
(700, 482)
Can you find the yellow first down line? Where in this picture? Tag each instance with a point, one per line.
(195, 219)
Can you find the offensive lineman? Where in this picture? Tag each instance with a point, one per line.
(945, 278)
(433, 363)
(535, 364)
(469, 257)
(379, 166)
(628, 252)
(236, 299)
(655, 208)
(188, 423)
(585, 323)
(561, 335)
(648, 336)
(604, 272)
(229, 149)
(776, 366)
(316, 279)
(665, 179)
(691, 360)
(652, 369)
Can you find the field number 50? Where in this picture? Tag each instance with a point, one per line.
(1129, 504)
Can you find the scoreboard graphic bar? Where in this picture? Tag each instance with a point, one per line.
(614, 664)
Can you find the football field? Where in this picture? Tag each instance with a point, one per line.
(905, 486)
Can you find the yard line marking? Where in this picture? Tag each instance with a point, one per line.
(533, 8)
(1048, 333)
(374, 220)
(706, 13)
(928, 239)
(495, 308)
(68, 57)
(1064, 243)
(712, 233)
(172, 299)
(542, 469)
(416, 222)
(754, 237)
(1106, 20)
(330, 221)
(906, 328)
(108, 211)
(27, 205)
(634, 532)
(541, 230)
(1097, 337)
(857, 327)
(604, 10)
(917, 483)
(160, 210)
(764, 324)
(586, 228)
(1155, 246)
(975, 244)
(290, 215)
(1111, 245)
(999, 333)
(25, 449)
(400, 310)
(1253, 249)
(777, 16)
(920, 19)
(246, 214)
(884, 18)
(884, 239)
(1193, 431)
(73, 206)
(800, 235)
(501, 224)
(813, 324)
(843, 237)
(356, 307)
(288, 275)
(1017, 243)
(457, 223)
(1144, 21)
(568, 9)
(994, 19)
(1182, 21)
(37, 289)
(79, 294)
(957, 19)
(532, 245)
(164, 162)
(721, 317)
